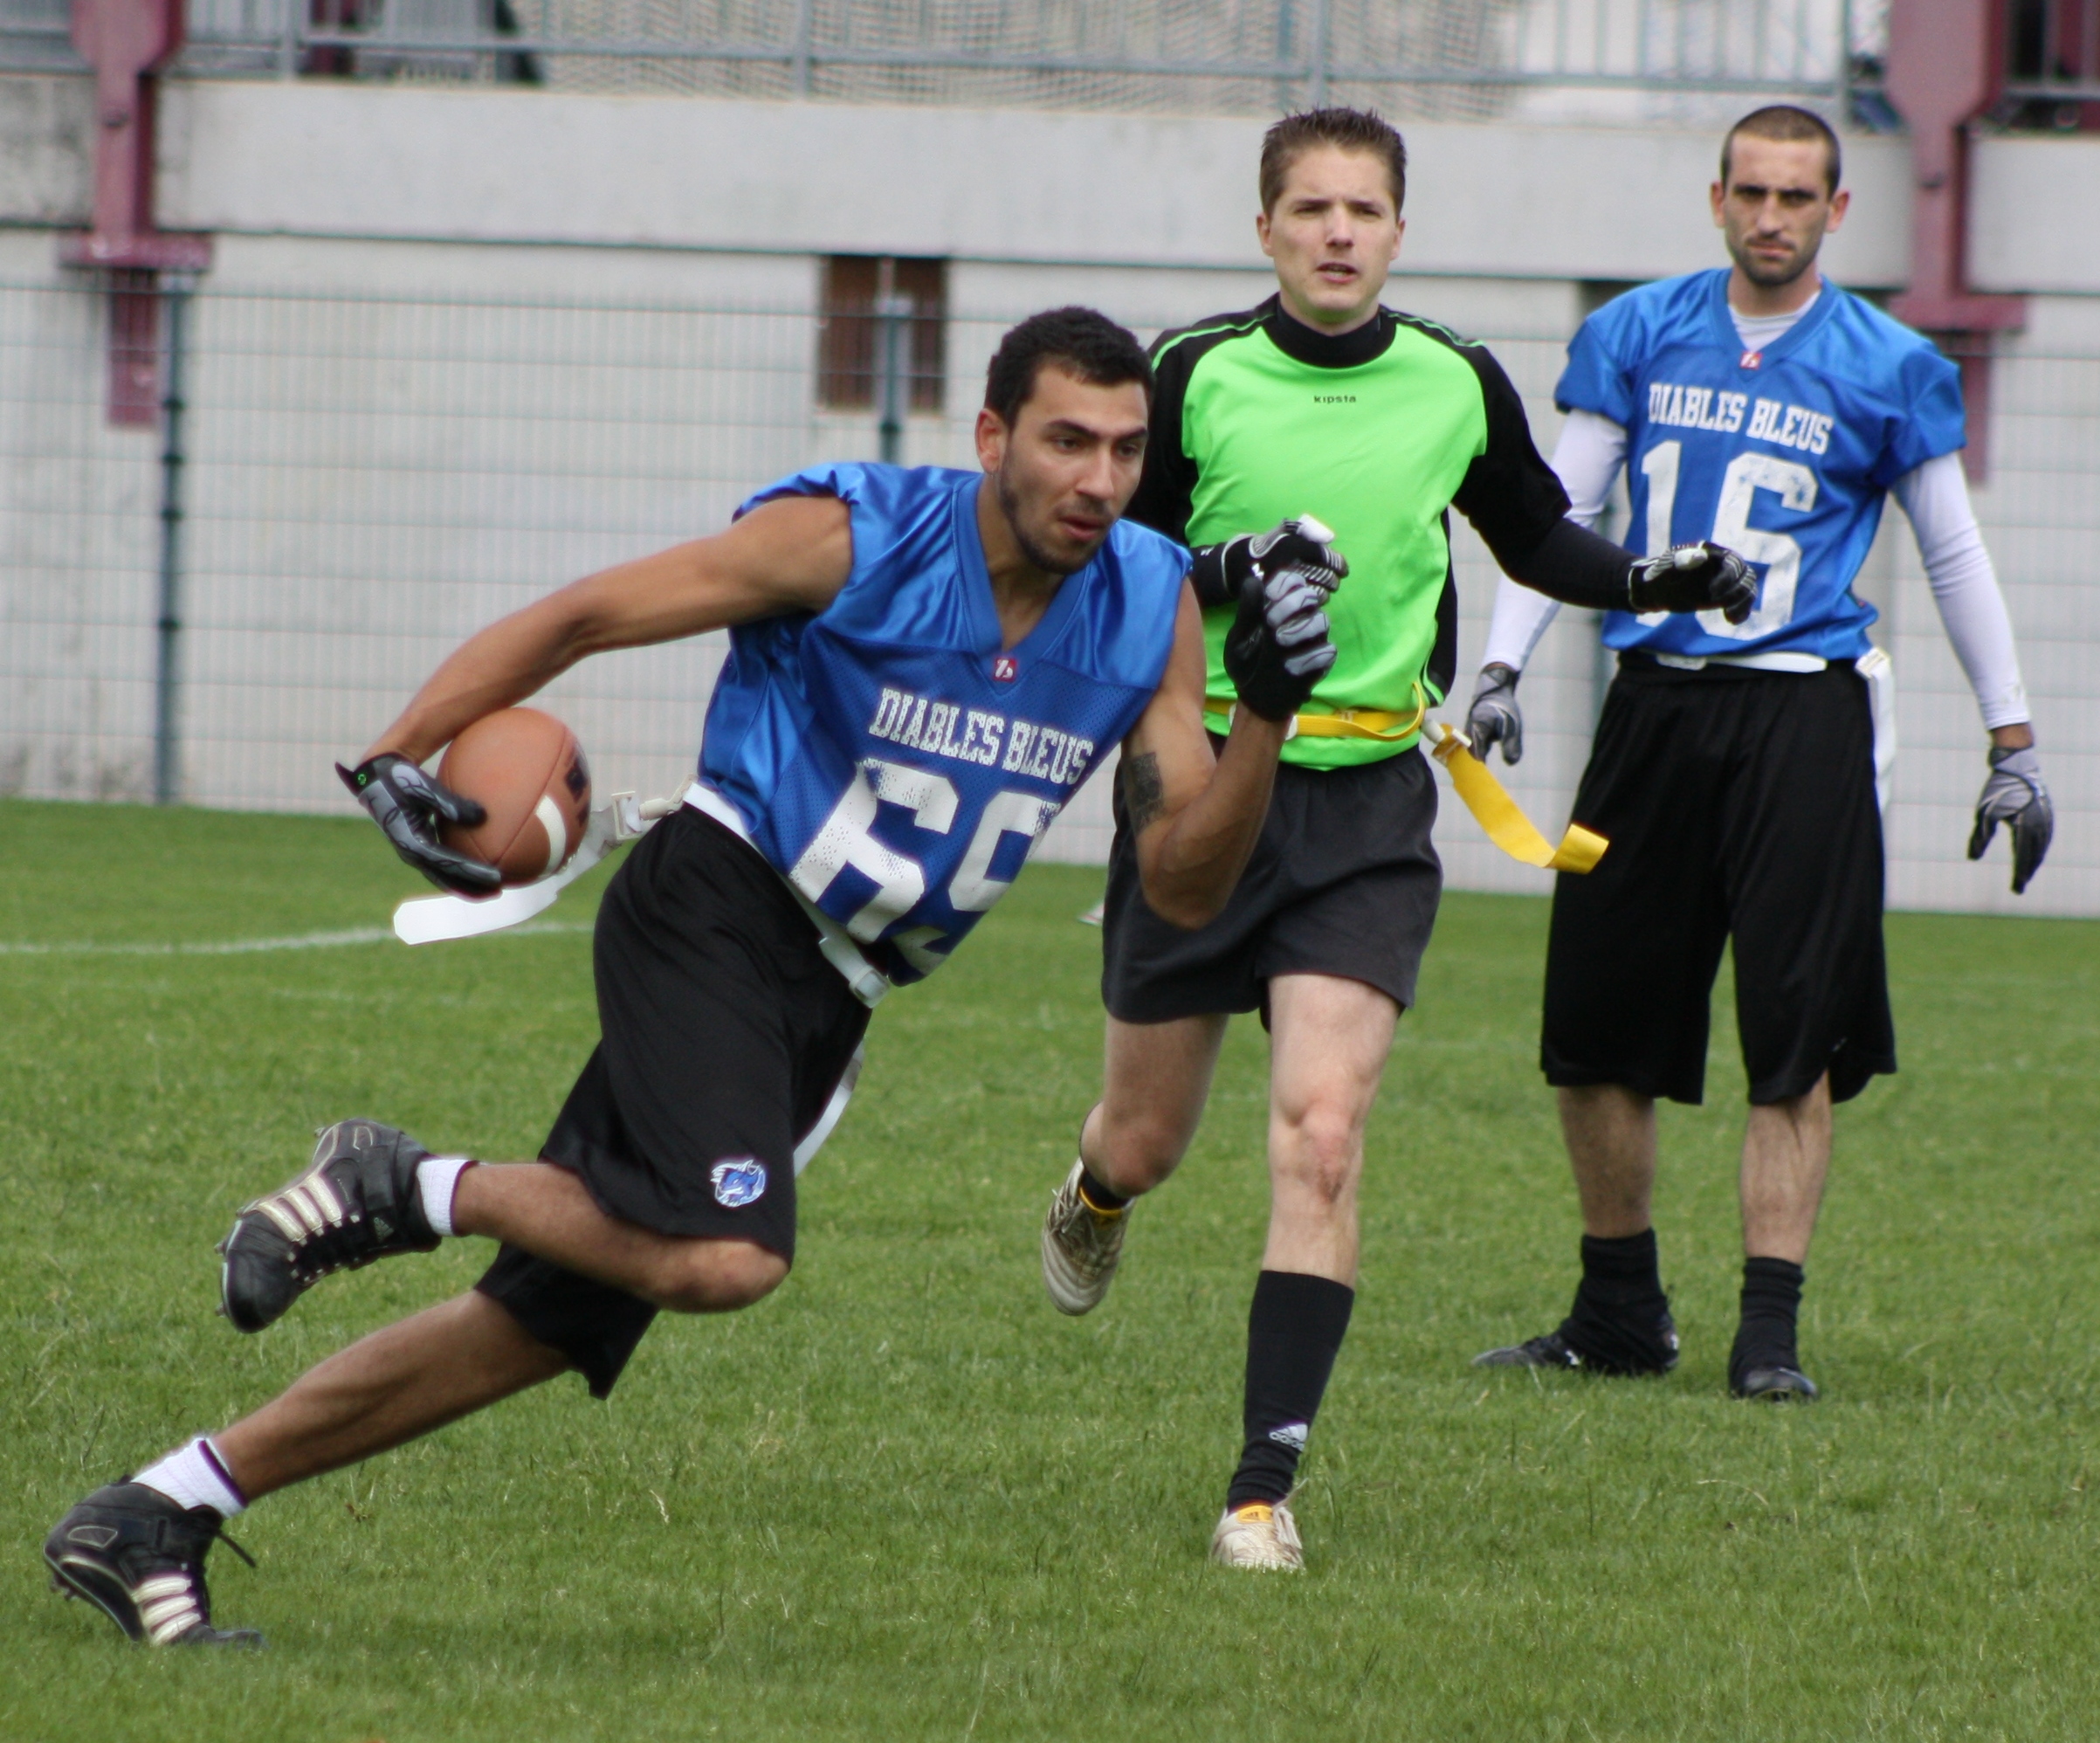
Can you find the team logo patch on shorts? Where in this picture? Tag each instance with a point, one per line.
(739, 1181)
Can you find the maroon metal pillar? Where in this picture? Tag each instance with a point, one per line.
(1946, 66)
(125, 42)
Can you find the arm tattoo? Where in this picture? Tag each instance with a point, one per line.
(1144, 794)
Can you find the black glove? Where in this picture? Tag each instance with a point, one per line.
(2014, 796)
(1278, 648)
(1220, 571)
(1692, 578)
(1494, 718)
(409, 805)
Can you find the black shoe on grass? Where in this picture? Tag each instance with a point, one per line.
(1775, 1382)
(1555, 1349)
(356, 1201)
(140, 1557)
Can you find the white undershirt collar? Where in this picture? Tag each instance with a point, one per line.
(1759, 331)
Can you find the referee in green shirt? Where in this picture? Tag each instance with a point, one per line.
(1341, 427)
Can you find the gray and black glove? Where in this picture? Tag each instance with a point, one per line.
(1494, 717)
(2014, 796)
(1702, 577)
(409, 805)
(1218, 572)
(1278, 646)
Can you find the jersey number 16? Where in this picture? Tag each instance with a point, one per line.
(1748, 473)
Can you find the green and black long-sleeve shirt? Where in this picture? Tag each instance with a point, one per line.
(1379, 433)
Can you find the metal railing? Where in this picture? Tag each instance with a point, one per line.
(1456, 57)
(33, 37)
(2052, 60)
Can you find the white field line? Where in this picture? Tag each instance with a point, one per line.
(248, 947)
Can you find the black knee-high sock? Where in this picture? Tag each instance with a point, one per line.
(1294, 1329)
(1616, 1322)
(1771, 1304)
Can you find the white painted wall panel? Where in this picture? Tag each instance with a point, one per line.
(47, 129)
(2031, 215)
(494, 165)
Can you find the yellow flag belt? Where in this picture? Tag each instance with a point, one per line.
(1498, 815)
(1339, 723)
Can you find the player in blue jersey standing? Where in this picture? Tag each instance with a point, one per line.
(924, 665)
(1735, 767)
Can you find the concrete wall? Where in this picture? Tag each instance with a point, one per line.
(47, 128)
(317, 159)
(460, 344)
(504, 166)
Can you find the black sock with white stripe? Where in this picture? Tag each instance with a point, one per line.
(1294, 1330)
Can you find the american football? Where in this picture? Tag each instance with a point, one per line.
(526, 770)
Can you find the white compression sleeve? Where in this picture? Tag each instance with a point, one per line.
(1588, 457)
(1965, 586)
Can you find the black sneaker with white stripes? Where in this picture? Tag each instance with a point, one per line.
(1555, 1349)
(140, 1557)
(357, 1202)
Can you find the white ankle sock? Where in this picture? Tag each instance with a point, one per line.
(437, 1178)
(195, 1475)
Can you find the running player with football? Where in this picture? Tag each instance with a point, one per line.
(1735, 767)
(1379, 424)
(923, 667)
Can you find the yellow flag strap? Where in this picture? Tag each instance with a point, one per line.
(1499, 816)
(1343, 723)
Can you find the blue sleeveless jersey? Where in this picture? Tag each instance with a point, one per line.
(885, 754)
(1785, 456)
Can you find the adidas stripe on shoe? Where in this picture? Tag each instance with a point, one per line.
(356, 1201)
(1081, 1247)
(139, 1558)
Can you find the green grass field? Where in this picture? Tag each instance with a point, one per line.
(904, 1499)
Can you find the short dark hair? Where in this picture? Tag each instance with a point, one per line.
(1784, 121)
(1081, 341)
(1346, 130)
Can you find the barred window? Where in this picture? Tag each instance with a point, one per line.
(848, 329)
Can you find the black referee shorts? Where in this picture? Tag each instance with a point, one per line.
(724, 1032)
(1343, 881)
(1737, 803)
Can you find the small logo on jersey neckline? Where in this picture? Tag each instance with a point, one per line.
(1750, 360)
(739, 1181)
(1005, 668)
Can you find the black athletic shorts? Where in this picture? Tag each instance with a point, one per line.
(1736, 803)
(724, 1033)
(1343, 881)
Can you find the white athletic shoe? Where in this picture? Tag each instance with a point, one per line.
(1080, 1248)
(1257, 1534)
